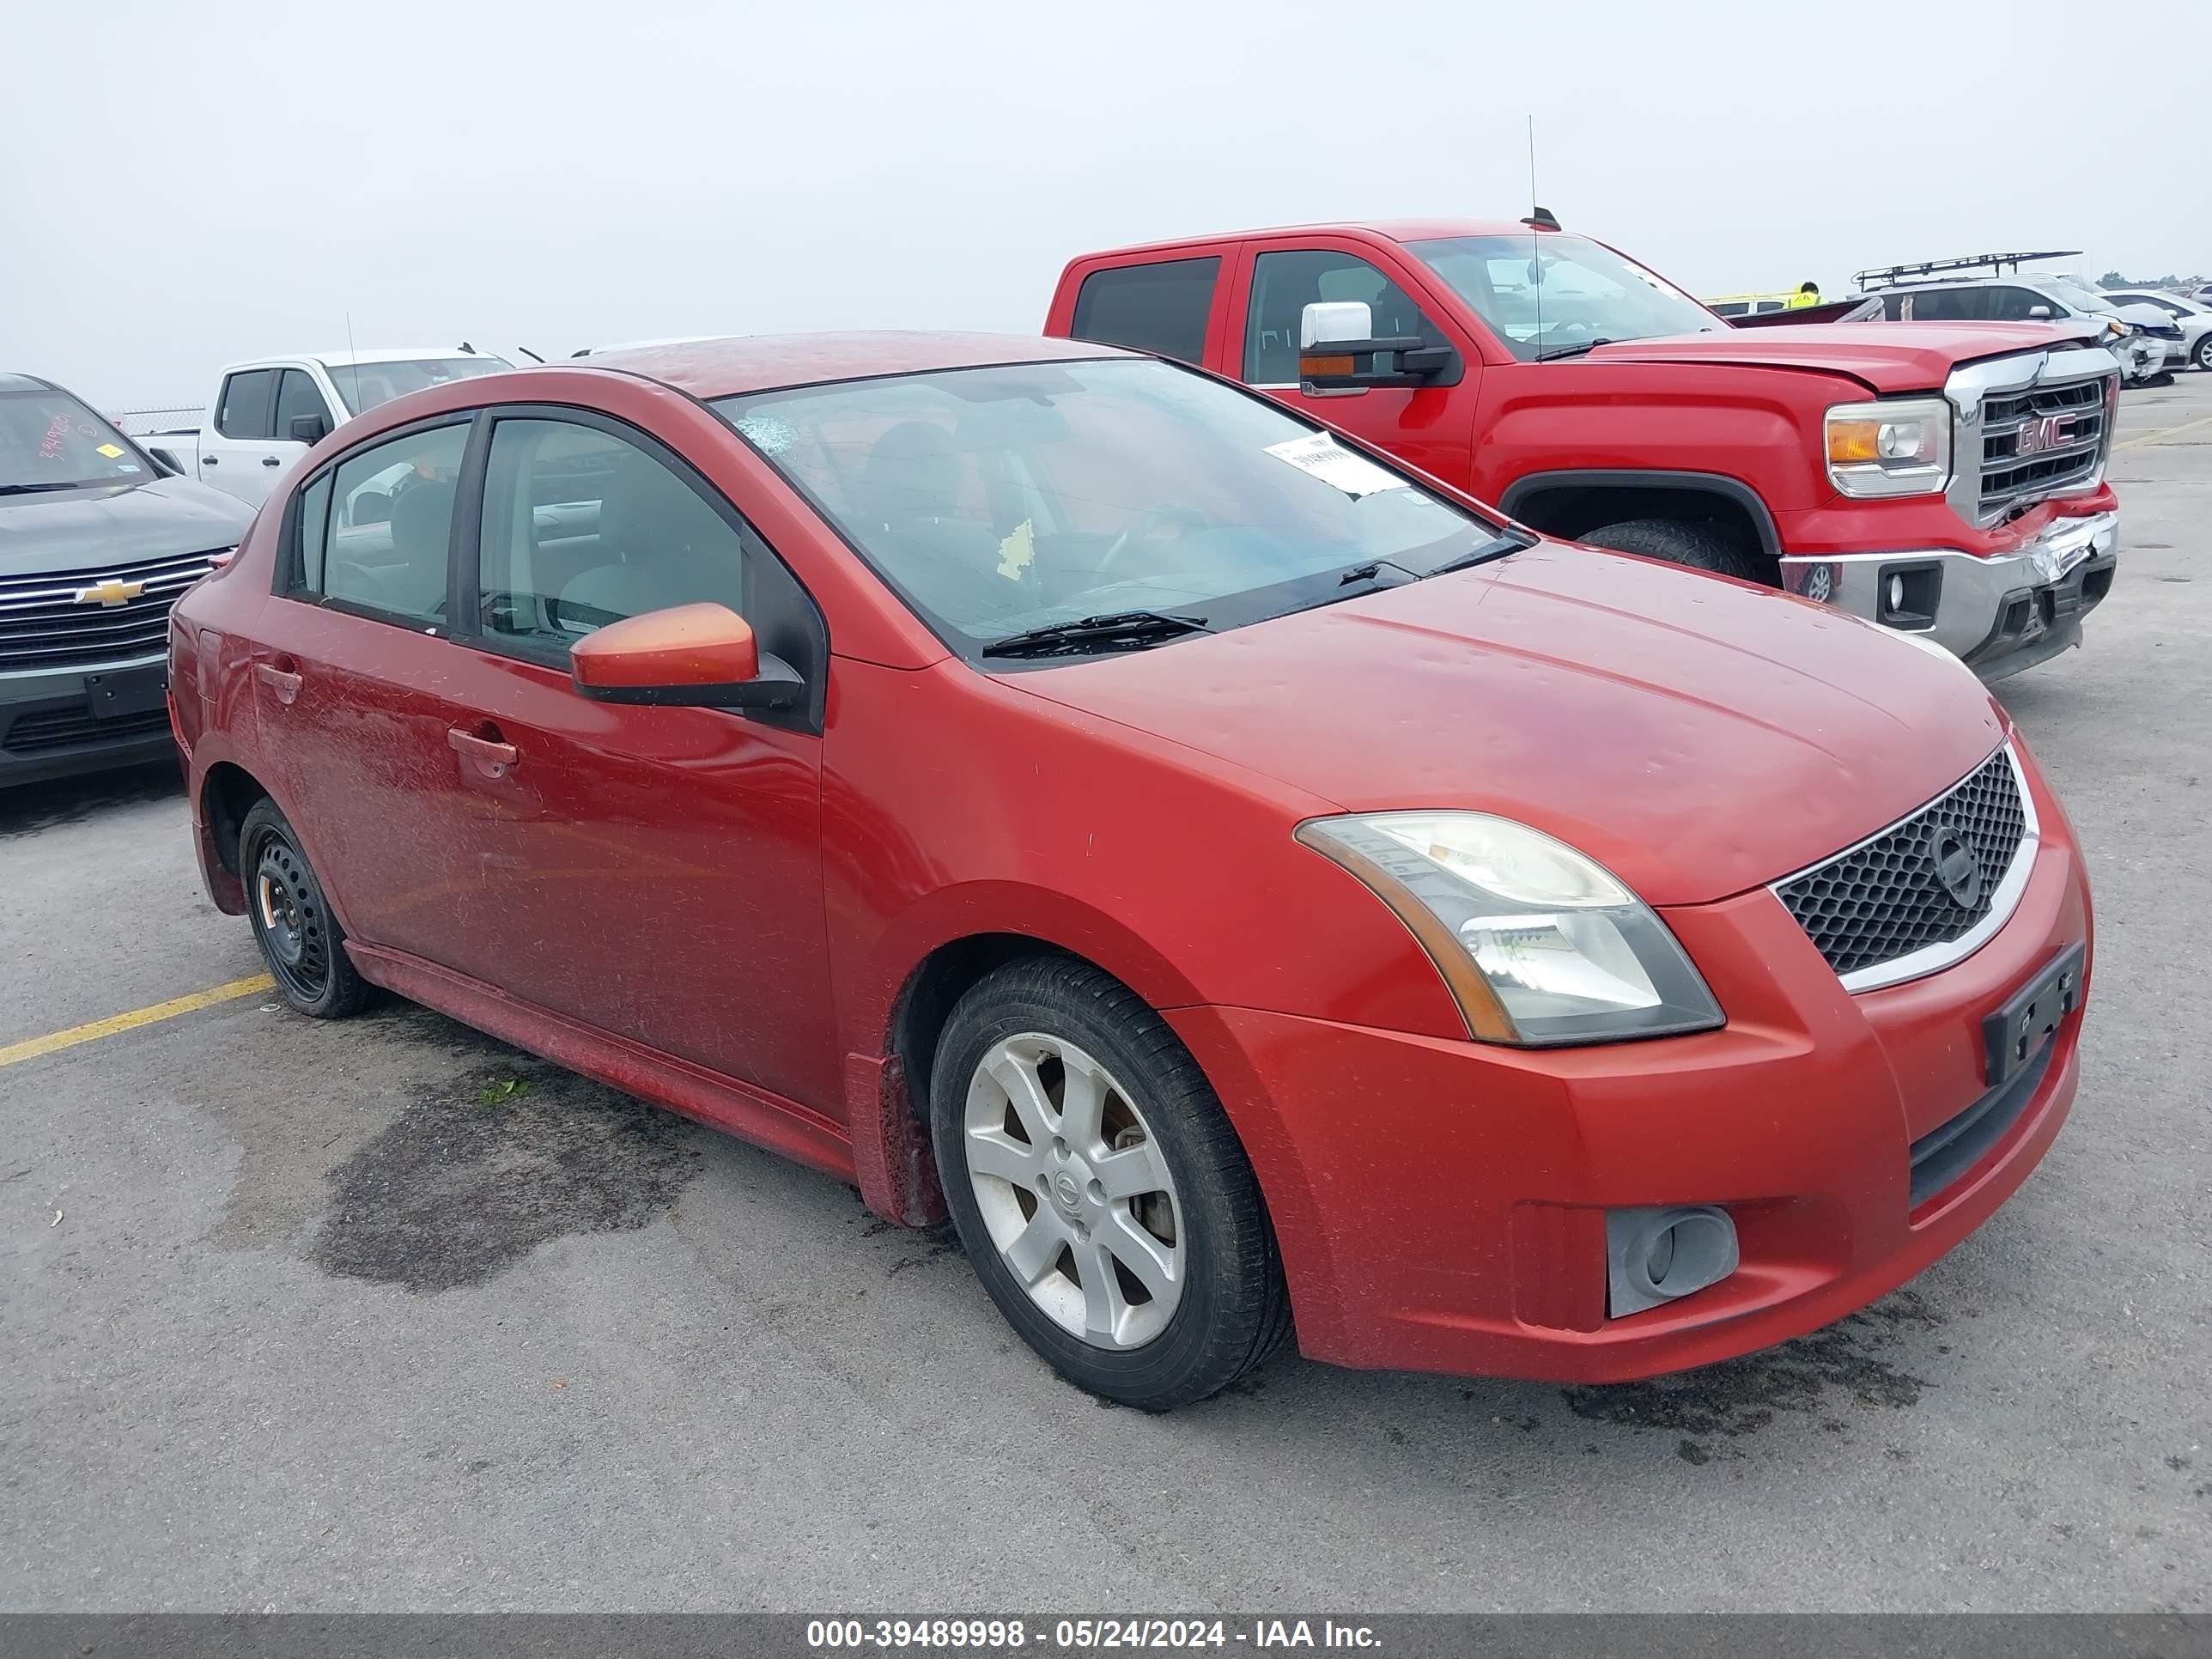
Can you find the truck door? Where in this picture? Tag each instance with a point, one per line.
(1429, 426)
(241, 452)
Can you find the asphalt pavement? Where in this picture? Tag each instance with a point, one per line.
(384, 1315)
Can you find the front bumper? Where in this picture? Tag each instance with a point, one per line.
(2000, 613)
(1440, 1206)
(52, 723)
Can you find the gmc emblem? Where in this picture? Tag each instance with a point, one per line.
(2039, 435)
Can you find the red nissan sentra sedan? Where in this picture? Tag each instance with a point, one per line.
(1235, 877)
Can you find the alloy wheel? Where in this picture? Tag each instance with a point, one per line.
(1074, 1191)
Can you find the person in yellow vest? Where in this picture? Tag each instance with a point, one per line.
(1807, 293)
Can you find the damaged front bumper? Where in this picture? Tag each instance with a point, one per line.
(1999, 613)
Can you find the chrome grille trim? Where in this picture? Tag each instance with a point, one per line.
(42, 625)
(1994, 401)
(1934, 958)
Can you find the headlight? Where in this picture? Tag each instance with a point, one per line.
(1900, 447)
(1539, 945)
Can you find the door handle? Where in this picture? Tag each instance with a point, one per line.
(210, 460)
(284, 682)
(270, 460)
(491, 757)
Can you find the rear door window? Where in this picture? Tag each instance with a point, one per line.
(387, 534)
(1162, 307)
(243, 410)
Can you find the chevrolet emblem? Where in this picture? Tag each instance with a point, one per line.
(110, 593)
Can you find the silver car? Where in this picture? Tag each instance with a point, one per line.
(2192, 317)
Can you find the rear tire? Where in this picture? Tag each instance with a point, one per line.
(1108, 1208)
(301, 941)
(1691, 545)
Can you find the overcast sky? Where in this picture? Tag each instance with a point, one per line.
(186, 184)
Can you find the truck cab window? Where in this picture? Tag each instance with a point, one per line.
(1284, 284)
(1159, 308)
(243, 412)
(296, 397)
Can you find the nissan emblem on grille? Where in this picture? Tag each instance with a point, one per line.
(1925, 881)
(1957, 867)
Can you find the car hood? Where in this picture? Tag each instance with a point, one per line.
(114, 524)
(1888, 357)
(1697, 736)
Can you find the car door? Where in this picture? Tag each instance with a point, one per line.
(350, 671)
(651, 871)
(1428, 425)
(241, 453)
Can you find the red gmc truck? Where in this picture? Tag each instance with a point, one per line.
(1944, 479)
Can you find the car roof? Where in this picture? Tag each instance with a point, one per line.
(761, 363)
(1390, 230)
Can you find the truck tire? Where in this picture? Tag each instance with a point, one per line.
(1052, 1081)
(1691, 545)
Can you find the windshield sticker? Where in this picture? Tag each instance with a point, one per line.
(1018, 551)
(768, 435)
(113, 451)
(1326, 459)
(128, 466)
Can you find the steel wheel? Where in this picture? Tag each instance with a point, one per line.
(288, 910)
(1074, 1191)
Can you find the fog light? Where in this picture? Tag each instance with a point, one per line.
(1658, 1255)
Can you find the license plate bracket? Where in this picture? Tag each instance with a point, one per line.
(120, 693)
(2013, 1035)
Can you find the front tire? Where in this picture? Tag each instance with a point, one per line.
(2204, 354)
(1694, 545)
(1099, 1189)
(301, 941)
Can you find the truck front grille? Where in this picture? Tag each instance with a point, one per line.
(1883, 899)
(2041, 442)
(80, 619)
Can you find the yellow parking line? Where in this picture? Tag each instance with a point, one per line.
(2165, 432)
(31, 1047)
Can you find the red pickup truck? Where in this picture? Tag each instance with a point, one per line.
(1945, 479)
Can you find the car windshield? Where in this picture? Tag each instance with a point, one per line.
(49, 441)
(364, 385)
(997, 501)
(2082, 300)
(1545, 292)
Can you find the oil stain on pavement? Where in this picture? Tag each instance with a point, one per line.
(1854, 1359)
(483, 1166)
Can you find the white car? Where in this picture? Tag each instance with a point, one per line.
(2192, 317)
(269, 412)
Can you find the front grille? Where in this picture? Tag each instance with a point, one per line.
(2037, 442)
(32, 734)
(1882, 900)
(44, 624)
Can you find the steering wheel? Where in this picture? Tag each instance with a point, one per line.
(1147, 525)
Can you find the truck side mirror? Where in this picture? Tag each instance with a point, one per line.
(310, 429)
(1338, 351)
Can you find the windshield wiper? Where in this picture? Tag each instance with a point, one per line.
(35, 489)
(1509, 541)
(1574, 351)
(1121, 630)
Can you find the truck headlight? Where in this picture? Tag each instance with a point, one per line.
(1539, 945)
(1900, 446)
